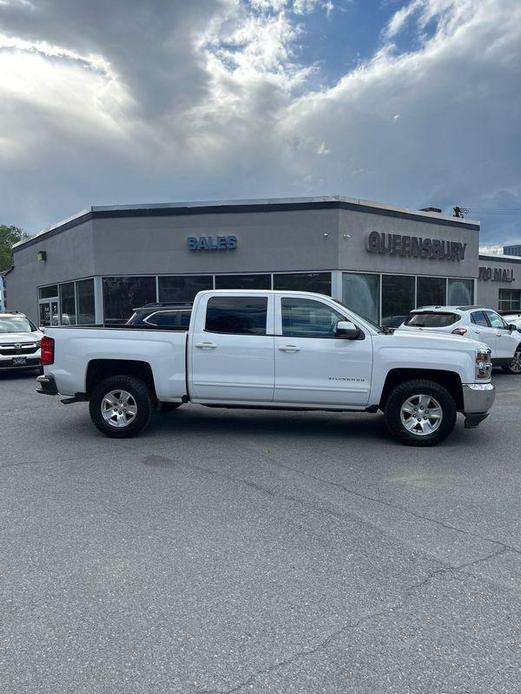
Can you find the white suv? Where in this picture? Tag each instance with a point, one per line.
(19, 342)
(476, 322)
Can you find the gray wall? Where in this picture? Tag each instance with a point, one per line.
(268, 241)
(488, 291)
(70, 255)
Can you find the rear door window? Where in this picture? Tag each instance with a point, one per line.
(436, 319)
(237, 315)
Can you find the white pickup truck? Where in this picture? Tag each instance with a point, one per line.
(271, 349)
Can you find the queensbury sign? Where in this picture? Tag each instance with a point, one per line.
(211, 243)
(415, 247)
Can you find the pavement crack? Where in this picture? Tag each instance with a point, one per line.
(402, 509)
(349, 626)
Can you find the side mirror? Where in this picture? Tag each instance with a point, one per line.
(347, 330)
(512, 327)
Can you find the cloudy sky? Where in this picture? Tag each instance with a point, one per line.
(413, 103)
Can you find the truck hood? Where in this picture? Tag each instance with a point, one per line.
(433, 340)
(14, 338)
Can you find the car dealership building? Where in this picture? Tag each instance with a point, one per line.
(380, 260)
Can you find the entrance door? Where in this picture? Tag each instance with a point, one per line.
(49, 312)
(231, 349)
(312, 364)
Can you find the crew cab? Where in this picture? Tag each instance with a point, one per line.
(270, 349)
(476, 322)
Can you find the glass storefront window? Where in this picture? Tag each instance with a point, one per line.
(461, 292)
(67, 314)
(122, 294)
(397, 297)
(361, 293)
(319, 282)
(510, 300)
(85, 294)
(431, 291)
(48, 292)
(182, 289)
(243, 281)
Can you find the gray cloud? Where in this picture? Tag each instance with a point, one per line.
(132, 102)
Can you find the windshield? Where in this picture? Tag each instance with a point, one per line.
(16, 324)
(432, 320)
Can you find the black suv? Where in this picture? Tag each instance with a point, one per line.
(173, 316)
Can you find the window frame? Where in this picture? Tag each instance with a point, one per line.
(114, 322)
(161, 278)
(405, 312)
(514, 304)
(326, 273)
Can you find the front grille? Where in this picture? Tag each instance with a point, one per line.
(11, 350)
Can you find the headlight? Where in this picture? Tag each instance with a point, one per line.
(483, 364)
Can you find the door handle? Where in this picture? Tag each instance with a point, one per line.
(206, 345)
(499, 334)
(289, 348)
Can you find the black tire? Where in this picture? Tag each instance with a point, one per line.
(410, 390)
(140, 400)
(169, 406)
(514, 368)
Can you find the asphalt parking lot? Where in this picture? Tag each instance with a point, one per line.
(232, 551)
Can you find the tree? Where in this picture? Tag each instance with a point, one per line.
(9, 235)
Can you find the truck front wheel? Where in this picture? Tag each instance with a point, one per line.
(121, 406)
(420, 413)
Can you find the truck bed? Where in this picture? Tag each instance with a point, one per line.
(163, 349)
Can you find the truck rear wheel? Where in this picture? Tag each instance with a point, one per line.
(420, 413)
(121, 406)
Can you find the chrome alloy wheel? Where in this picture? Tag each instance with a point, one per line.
(421, 414)
(515, 364)
(118, 408)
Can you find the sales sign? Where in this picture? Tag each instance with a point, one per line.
(211, 243)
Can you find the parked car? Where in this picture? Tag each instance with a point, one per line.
(162, 316)
(19, 342)
(271, 349)
(476, 322)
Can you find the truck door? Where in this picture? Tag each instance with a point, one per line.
(231, 349)
(312, 364)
